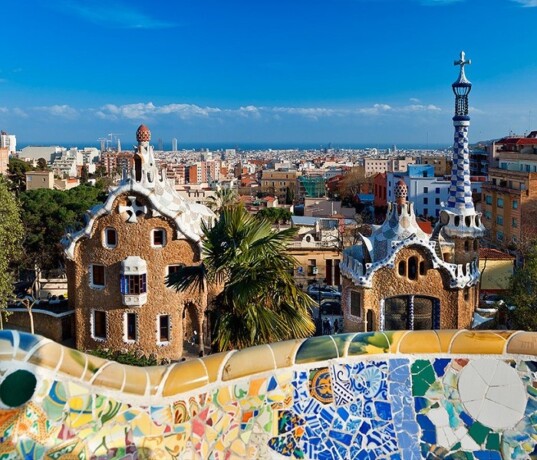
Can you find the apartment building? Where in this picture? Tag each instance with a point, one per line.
(280, 183)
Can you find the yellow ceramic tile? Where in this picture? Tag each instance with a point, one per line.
(136, 380)
(6, 349)
(523, 343)
(394, 339)
(156, 374)
(111, 376)
(185, 377)
(73, 363)
(477, 342)
(213, 363)
(420, 342)
(94, 364)
(47, 356)
(284, 352)
(248, 362)
(445, 336)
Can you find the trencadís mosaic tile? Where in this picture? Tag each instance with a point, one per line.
(400, 395)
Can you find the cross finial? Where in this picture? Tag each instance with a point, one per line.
(462, 61)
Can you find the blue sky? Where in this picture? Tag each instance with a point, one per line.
(279, 71)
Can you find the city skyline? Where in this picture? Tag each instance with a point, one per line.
(352, 72)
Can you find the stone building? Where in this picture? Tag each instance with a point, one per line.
(403, 278)
(117, 265)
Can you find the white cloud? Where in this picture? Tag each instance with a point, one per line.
(527, 3)
(114, 14)
(64, 110)
(19, 112)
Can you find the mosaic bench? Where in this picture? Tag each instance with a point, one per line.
(383, 395)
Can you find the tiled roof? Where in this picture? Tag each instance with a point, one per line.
(489, 253)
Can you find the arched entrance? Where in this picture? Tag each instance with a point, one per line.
(192, 335)
(411, 312)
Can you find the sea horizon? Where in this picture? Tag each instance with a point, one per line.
(249, 146)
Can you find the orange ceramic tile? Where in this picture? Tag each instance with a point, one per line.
(47, 356)
(420, 342)
(477, 342)
(185, 377)
(445, 337)
(284, 352)
(249, 362)
(111, 376)
(522, 343)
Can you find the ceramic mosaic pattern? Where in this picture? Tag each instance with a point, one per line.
(401, 395)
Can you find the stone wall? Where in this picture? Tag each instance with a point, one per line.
(134, 239)
(455, 310)
(55, 327)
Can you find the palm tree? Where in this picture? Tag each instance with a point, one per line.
(259, 301)
(222, 199)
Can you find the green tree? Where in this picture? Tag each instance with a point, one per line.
(275, 215)
(42, 164)
(84, 175)
(259, 301)
(222, 199)
(523, 294)
(47, 214)
(17, 174)
(11, 236)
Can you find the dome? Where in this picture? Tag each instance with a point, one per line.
(401, 190)
(143, 134)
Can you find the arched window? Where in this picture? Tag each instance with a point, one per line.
(476, 245)
(466, 245)
(412, 268)
(422, 268)
(468, 221)
(110, 237)
(457, 221)
(402, 268)
(138, 167)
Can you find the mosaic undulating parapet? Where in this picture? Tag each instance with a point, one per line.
(391, 395)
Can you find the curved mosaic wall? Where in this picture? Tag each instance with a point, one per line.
(392, 395)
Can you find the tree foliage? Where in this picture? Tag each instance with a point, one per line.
(523, 294)
(17, 173)
(222, 199)
(259, 301)
(11, 236)
(275, 215)
(47, 214)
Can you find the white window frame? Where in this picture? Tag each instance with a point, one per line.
(106, 244)
(99, 287)
(126, 326)
(164, 343)
(164, 239)
(92, 325)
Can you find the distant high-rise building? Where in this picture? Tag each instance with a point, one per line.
(8, 141)
(174, 145)
(160, 144)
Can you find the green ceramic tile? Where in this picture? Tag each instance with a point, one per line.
(316, 349)
(493, 441)
(478, 432)
(368, 343)
(423, 377)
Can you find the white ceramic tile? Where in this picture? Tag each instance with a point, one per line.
(511, 396)
(500, 417)
(486, 368)
(504, 375)
(439, 417)
(471, 385)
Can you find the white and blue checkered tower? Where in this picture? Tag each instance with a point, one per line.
(459, 219)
